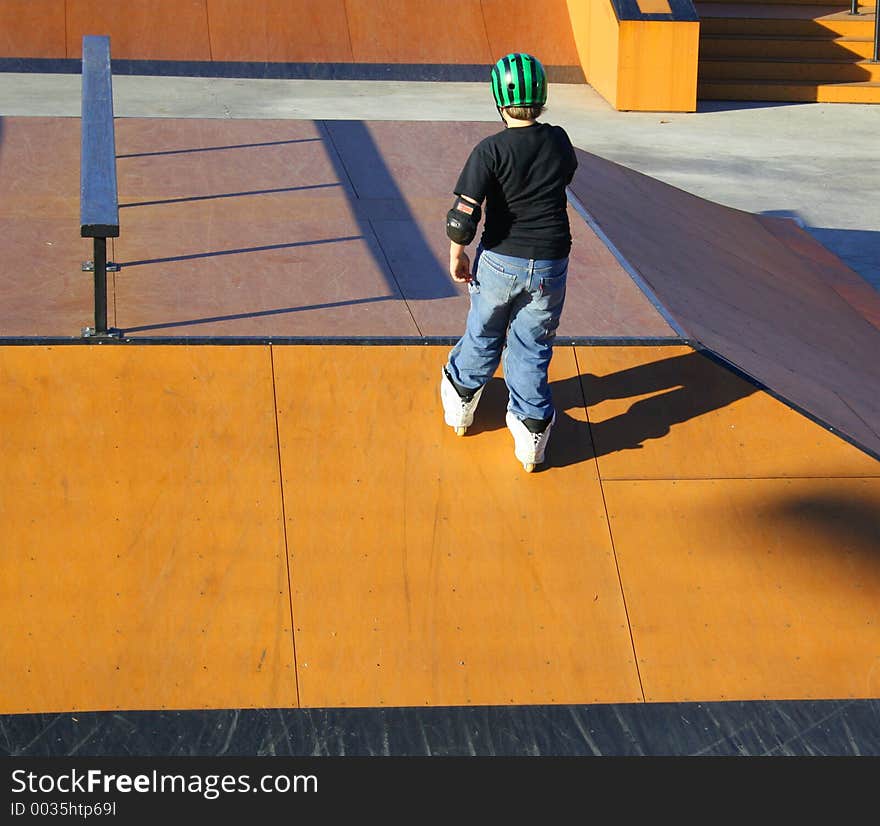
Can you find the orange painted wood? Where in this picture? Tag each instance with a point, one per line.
(430, 569)
(654, 6)
(596, 31)
(279, 30)
(636, 65)
(144, 558)
(512, 26)
(32, 28)
(658, 65)
(142, 29)
(418, 31)
(238, 29)
(751, 589)
(672, 413)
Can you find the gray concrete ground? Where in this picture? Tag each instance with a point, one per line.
(817, 163)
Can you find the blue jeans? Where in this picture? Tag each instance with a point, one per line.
(515, 308)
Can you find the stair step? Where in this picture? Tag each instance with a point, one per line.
(847, 6)
(789, 91)
(777, 46)
(837, 24)
(822, 71)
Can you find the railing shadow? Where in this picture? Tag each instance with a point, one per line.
(402, 255)
(190, 150)
(218, 196)
(238, 251)
(303, 308)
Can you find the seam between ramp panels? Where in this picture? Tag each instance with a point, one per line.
(284, 522)
(610, 531)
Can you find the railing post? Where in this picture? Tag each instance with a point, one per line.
(876, 31)
(100, 260)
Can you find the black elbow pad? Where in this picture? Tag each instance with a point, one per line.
(462, 221)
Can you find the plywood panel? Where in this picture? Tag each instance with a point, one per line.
(238, 29)
(744, 590)
(49, 296)
(170, 159)
(672, 413)
(143, 548)
(418, 31)
(394, 159)
(283, 264)
(511, 27)
(142, 29)
(39, 164)
(279, 30)
(658, 66)
(740, 291)
(847, 283)
(429, 569)
(601, 299)
(32, 28)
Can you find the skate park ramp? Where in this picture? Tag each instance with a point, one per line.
(247, 527)
(335, 36)
(756, 290)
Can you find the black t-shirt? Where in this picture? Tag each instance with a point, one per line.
(522, 172)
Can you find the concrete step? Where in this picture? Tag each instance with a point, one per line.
(789, 91)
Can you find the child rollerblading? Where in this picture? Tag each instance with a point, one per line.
(517, 283)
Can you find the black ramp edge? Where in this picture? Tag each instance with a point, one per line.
(750, 728)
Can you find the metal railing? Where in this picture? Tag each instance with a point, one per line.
(854, 9)
(99, 202)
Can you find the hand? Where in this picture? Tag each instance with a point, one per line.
(460, 267)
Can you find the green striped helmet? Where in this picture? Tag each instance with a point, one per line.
(518, 79)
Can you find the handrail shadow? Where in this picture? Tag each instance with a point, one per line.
(216, 148)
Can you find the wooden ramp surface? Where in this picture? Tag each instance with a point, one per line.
(194, 527)
(298, 31)
(755, 293)
(266, 229)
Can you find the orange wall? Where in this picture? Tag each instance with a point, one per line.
(636, 65)
(141, 29)
(32, 28)
(363, 31)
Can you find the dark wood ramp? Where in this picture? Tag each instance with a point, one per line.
(751, 289)
(267, 229)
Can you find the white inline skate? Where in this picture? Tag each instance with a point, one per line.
(458, 412)
(528, 447)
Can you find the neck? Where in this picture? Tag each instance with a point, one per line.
(513, 123)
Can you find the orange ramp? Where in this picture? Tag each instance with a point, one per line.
(294, 526)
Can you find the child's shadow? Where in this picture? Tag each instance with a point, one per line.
(692, 382)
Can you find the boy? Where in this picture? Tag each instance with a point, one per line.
(517, 286)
